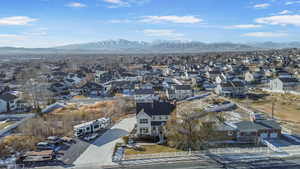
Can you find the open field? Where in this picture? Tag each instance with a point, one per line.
(286, 108)
(152, 149)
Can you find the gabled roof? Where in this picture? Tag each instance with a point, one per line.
(7, 97)
(155, 108)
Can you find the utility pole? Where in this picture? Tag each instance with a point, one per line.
(273, 107)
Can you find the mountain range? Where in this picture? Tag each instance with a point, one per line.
(126, 46)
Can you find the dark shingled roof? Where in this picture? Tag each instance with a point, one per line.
(143, 91)
(182, 87)
(156, 108)
(7, 97)
(248, 125)
(270, 123)
(289, 80)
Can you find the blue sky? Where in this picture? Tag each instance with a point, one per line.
(46, 23)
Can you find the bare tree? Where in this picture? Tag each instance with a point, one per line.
(189, 130)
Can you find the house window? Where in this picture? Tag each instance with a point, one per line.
(143, 121)
(144, 131)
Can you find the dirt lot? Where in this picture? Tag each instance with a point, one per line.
(286, 108)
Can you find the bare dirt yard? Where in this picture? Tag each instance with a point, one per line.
(286, 108)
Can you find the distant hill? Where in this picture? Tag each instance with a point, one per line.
(156, 46)
(126, 46)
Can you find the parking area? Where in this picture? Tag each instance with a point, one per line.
(101, 150)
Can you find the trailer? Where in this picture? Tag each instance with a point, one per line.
(91, 127)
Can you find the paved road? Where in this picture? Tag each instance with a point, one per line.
(262, 164)
(100, 152)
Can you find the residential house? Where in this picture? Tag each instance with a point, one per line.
(145, 96)
(151, 117)
(248, 131)
(7, 102)
(180, 92)
(284, 84)
(231, 89)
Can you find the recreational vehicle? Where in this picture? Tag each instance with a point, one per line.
(91, 127)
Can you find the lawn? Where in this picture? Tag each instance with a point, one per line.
(152, 149)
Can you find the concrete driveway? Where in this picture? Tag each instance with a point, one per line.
(100, 152)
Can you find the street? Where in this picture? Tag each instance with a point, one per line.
(260, 164)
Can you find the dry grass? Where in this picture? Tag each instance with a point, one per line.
(79, 97)
(5, 124)
(152, 149)
(17, 143)
(287, 107)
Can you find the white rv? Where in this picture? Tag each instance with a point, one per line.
(91, 127)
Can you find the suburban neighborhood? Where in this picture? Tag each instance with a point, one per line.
(91, 115)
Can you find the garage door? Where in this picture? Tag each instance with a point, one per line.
(264, 135)
(274, 135)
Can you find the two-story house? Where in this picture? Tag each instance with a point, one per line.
(284, 84)
(151, 117)
(145, 95)
(180, 92)
(231, 89)
(7, 102)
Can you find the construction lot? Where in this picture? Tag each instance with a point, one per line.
(285, 107)
(235, 114)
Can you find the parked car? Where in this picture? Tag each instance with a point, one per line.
(54, 140)
(91, 137)
(68, 140)
(45, 146)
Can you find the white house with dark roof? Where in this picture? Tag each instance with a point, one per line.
(231, 89)
(151, 117)
(180, 92)
(145, 95)
(7, 102)
(284, 84)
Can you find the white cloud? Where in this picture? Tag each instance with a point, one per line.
(292, 2)
(246, 26)
(120, 21)
(261, 6)
(284, 12)
(266, 34)
(76, 5)
(16, 20)
(10, 36)
(280, 20)
(171, 19)
(164, 33)
(124, 3)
